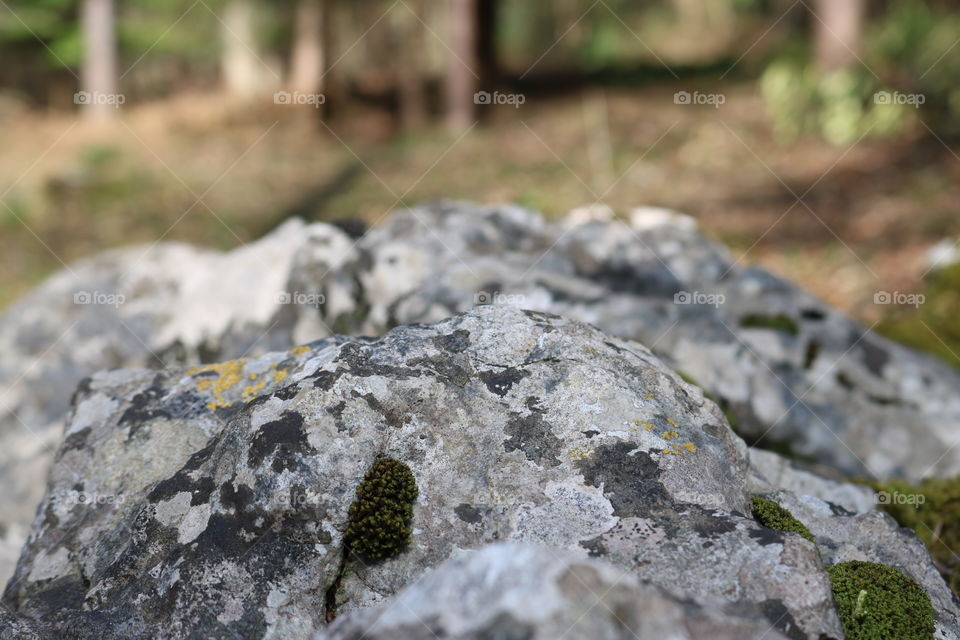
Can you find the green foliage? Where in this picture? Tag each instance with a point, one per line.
(772, 515)
(916, 40)
(933, 326)
(379, 518)
(932, 510)
(907, 53)
(779, 322)
(878, 602)
(841, 106)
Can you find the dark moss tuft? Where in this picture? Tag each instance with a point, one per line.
(772, 515)
(379, 518)
(878, 602)
(779, 322)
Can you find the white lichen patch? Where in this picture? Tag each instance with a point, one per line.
(50, 565)
(92, 410)
(194, 523)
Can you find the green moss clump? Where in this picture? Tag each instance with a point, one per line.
(379, 519)
(772, 515)
(878, 602)
(779, 322)
(932, 510)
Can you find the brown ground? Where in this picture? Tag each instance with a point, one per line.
(867, 215)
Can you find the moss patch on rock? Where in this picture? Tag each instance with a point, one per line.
(878, 602)
(379, 518)
(932, 510)
(772, 515)
(779, 322)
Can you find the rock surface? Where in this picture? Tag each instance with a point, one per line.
(211, 501)
(519, 591)
(816, 381)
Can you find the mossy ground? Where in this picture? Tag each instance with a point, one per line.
(772, 515)
(932, 510)
(932, 326)
(878, 602)
(379, 517)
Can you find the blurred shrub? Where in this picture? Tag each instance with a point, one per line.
(907, 72)
(841, 106)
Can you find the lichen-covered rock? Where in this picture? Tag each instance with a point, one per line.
(782, 364)
(786, 366)
(510, 590)
(212, 501)
(145, 307)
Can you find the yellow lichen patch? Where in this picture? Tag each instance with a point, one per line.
(671, 421)
(279, 375)
(299, 351)
(252, 390)
(648, 395)
(579, 453)
(678, 449)
(670, 435)
(643, 423)
(229, 374)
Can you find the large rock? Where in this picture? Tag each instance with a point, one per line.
(211, 501)
(141, 307)
(820, 383)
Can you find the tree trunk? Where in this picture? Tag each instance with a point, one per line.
(488, 67)
(306, 58)
(461, 82)
(99, 74)
(837, 32)
(409, 46)
(241, 66)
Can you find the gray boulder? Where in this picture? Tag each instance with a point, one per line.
(212, 501)
(142, 307)
(799, 373)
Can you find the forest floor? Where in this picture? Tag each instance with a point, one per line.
(843, 222)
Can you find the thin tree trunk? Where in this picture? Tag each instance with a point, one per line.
(461, 64)
(488, 67)
(306, 59)
(99, 73)
(409, 44)
(837, 32)
(241, 66)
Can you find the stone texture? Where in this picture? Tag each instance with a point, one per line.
(142, 307)
(211, 501)
(509, 590)
(832, 391)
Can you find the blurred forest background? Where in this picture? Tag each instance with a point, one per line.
(816, 137)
